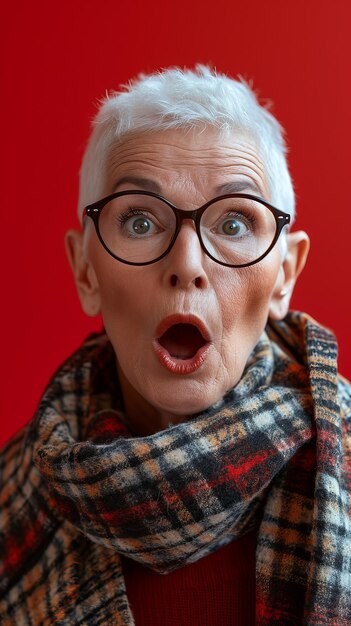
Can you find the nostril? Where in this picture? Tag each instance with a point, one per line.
(174, 280)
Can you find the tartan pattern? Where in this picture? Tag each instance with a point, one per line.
(77, 490)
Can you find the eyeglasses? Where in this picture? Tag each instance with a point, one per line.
(140, 227)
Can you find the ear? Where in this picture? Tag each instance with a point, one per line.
(298, 245)
(84, 274)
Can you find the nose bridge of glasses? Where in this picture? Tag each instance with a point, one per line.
(192, 220)
(187, 215)
(187, 240)
(184, 215)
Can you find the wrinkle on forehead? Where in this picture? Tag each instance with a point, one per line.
(204, 160)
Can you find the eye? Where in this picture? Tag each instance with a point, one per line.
(233, 226)
(137, 224)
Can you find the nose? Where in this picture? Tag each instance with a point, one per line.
(184, 265)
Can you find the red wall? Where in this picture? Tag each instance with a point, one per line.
(58, 58)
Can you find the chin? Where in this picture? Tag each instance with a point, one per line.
(187, 403)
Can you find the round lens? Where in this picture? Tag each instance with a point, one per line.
(137, 228)
(237, 231)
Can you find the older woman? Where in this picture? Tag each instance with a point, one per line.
(189, 464)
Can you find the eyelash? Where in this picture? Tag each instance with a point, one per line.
(248, 217)
(128, 214)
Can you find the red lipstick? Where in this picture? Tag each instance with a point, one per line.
(181, 343)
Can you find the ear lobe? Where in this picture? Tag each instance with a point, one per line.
(83, 272)
(298, 245)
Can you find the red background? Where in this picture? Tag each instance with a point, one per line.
(58, 58)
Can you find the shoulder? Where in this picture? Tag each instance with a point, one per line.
(344, 391)
(19, 476)
(12, 458)
(23, 504)
(344, 397)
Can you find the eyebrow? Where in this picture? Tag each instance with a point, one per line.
(238, 186)
(148, 184)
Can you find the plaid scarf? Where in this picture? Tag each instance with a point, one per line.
(77, 490)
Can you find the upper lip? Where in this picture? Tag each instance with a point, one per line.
(181, 318)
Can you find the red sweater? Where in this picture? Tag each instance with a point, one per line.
(218, 590)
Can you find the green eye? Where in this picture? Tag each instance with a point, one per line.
(231, 227)
(140, 226)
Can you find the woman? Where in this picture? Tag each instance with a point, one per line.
(189, 464)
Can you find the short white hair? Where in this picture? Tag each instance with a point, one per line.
(183, 99)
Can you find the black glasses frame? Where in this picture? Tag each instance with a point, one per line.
(94, 211)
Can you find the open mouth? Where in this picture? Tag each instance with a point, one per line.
(182, 341)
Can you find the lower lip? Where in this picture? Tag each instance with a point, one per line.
(181, 366)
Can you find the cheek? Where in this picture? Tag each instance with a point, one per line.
(244, 307)
(245, 297)
(116, 295)
(125, 295)
(122, 314)
(121, 286)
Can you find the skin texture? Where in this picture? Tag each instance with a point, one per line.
(234, 304)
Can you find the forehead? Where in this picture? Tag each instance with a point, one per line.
(202, 159)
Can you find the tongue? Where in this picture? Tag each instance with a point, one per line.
(182, 341)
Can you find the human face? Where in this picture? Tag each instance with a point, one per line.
(175, 372)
